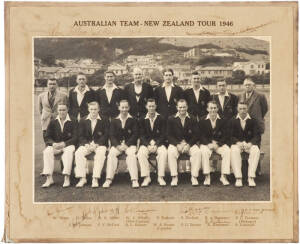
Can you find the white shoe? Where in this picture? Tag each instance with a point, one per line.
(251, 182)
(147, 181)
(48, 182)
(107, 183)
(67, 181)
(207, 180)
(224, 180)
(174, 181)
(194, 181)
(161, 181)
(238, 183)
(95, 183)
(82, 182)
(135, 184)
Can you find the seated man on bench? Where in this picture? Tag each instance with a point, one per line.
(214, 138)
(152, 140)
(93, 138)
(183, 134)
(244, 137)
(123, 137)
(60, 137)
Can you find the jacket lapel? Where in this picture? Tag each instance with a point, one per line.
(163, 91)
(218, 102)
(74, 96)
(112, 96)
(226, 100)
(252, 99)
(89, 127)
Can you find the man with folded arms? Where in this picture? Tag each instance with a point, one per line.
(109, 96)
(167, 94)
(214, 139)
(123, 136)
(137, 94)
(93, 138)
(152, 140)
(183, 133)
(245, 137)
(60, 137)
(197, 97)
(80, 96)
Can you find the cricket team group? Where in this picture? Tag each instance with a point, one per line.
(140, 120)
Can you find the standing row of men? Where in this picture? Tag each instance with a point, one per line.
(183, 134)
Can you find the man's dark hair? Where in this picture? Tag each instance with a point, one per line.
(181, 100)
(212, 102)
(109, 72)
(151, 100)
(168, 70)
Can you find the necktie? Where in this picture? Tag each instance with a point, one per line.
(51, 100)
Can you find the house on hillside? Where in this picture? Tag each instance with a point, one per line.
(222, 55)
(182, 72)
(214, 71)
(118, 69)
(251, 68)
(193, 53)
(47, 73)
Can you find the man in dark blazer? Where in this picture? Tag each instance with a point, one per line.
(244, 137)
(137, 94)
(123, 136)
(226, 102)
(48, 102)
(167, 95)
(152, 131)
(197, 97)
(79, 97)
(257, 103)
(183, 134)
(214, 138)
(93, 138)
(109, 96)
(60, 137)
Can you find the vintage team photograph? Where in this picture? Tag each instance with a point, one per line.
(151, 119)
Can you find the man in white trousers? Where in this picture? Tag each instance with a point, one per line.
(245, 137)
(123, 136)
(214, 138)
(93, 138)
(60, 138)
(183, 134)
(152, 131)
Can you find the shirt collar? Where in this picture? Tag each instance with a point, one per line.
(113, 87)
(218, 117)
(49, 93)
(67, 118)
(89, 117)
(155, 116)
(163, 85)
(226, 94)
(187, 115)
(128, 116)
(200, 88)
(247, 117)
(86, 88)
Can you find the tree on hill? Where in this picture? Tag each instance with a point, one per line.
(49, 60)
(252, 51)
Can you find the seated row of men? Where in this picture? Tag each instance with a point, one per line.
(179, 134)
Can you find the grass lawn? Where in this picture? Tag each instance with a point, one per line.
(121, 190)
